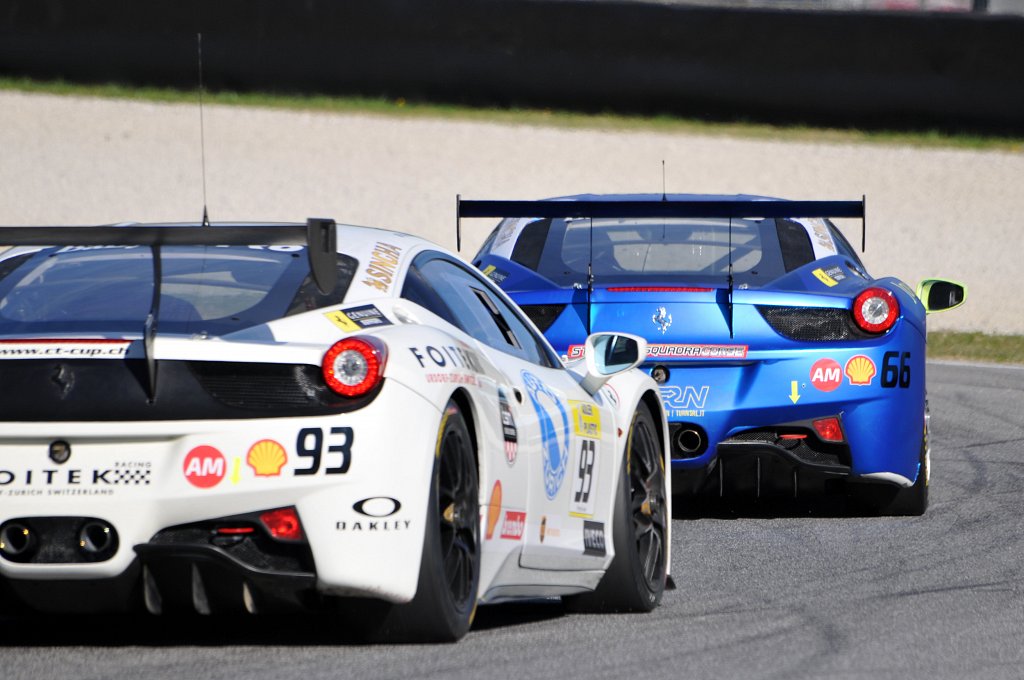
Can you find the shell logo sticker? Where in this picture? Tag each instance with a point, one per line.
(266, 458)
(493, 510)
(860, 370)
(204, 467)
(826, 374)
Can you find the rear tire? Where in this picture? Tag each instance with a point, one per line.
(635, 580)
(445, 601)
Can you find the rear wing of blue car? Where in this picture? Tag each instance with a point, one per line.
(739, 208)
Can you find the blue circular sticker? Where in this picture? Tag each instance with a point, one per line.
(556, 446)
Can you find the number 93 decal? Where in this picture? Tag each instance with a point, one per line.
(338, 457)
(581, 502)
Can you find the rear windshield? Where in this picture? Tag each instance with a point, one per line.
(213, 290)
(653, 249)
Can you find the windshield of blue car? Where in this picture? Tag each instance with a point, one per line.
(684, 250)
(204, 290)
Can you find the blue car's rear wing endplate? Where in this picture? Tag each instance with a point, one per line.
(319, 235)
(745, 208)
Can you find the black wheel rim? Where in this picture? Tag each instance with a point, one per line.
(647, 504)
(458, 514)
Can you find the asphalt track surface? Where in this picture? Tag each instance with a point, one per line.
(766, 592)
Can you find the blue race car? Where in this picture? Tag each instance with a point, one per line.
(784, 367)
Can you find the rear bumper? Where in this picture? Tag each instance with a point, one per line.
(147, 478)
(883, 420)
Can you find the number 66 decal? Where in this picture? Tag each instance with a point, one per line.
(310, 444)
(581, 503)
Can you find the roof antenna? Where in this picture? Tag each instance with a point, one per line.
(664, 197)
(202, 134)
(590, 276)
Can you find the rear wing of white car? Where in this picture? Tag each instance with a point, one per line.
(318, 235)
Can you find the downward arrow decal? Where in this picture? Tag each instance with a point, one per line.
(794, 396)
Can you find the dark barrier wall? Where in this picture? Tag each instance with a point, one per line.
(955, 71)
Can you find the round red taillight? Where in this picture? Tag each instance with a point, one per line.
(875, 310)
(354, 366)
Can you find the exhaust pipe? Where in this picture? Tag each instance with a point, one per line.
(689, 441)
(17, 542)
(97, 540)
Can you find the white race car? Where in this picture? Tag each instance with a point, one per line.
(341, 416)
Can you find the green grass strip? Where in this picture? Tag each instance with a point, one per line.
(514, 116)
(1002, 349)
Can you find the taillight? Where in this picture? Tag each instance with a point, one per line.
(875, 310)
(542, 316)
(354, 366)
(829, 429)
(283, 524)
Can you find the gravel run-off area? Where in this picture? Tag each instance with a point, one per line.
(953, 213)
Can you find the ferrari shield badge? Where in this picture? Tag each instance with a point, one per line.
(662, 319)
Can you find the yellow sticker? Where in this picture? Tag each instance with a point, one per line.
(824, 278)
(490, 268)
(380, 272)
(266, 458)
(339, 319)
(586, 419)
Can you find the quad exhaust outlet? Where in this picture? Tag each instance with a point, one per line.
(689, 441)
(17, 542)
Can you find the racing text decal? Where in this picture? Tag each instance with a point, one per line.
(63, 349)
(75, 481)
(831, 276)
(509, 431)
(593, 538)
(586, 419)
(204, 467)
(356, 318)
(679, 351)
(380, 273)
(826, 374)
(684, 401)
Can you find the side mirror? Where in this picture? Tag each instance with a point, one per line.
(608, 354)
(938, 295)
